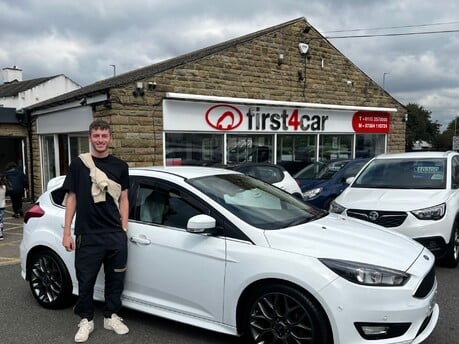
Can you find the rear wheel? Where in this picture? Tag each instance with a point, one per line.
(281, 314)
(50, 281)
(451, 259)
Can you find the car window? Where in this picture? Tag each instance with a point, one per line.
(257, 203)
(455, 172)
(161, 206)
(310, 171)
(269, 174)
(353, 169)
(419, 173)
(58, 196)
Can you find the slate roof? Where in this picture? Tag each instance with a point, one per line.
(13, 88)
(151, 70)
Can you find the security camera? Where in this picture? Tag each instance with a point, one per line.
(303, 47)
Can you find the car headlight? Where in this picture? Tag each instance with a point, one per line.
(336, 208)
(431, 213)
(366, 274)
(313, 193)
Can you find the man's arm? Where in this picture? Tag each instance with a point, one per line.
(124, 209)
(70, 209)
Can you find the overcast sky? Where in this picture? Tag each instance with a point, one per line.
(82, 39)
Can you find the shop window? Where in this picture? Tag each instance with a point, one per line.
(369, 145)
(58, 150)
(249, 148)
(194, 149)
(294, 152)
(335, 147)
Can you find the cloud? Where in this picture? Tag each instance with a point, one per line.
(82, 39)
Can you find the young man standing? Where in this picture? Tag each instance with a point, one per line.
(97, 186)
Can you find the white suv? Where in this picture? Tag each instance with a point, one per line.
(416, 194)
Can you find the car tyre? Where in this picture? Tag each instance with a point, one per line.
(50, 281)
(451, 259)
(282, 314)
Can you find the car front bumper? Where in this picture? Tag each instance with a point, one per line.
(383, 307)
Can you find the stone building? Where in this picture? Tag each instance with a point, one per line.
(281, 94)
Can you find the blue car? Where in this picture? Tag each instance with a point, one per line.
(321, 182)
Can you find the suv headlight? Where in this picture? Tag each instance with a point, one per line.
(313, 193)
(336, 208)
(431, 213)
(366, 274)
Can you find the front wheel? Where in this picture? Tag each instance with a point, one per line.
(50, 281)
(282, 314)
(451, 259)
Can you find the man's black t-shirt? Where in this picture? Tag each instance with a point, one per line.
(102, 217)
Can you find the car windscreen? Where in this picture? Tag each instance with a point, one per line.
(320, 170)
(416, 173)
(255, 202)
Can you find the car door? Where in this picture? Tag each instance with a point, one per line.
(170, 269)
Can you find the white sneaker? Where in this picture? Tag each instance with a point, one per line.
(115, 323)
(85, 329)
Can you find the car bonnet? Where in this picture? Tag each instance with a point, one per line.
(338, 237)
(390, 199)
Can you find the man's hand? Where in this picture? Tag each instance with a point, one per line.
(68, 243)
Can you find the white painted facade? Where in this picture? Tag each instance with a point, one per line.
(48, 89)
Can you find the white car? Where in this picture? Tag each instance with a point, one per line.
(220, 250)
(416, 194)
(272, 174)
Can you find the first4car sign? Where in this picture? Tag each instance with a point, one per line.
(224, 117)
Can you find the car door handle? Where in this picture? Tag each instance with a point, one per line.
(141, 241)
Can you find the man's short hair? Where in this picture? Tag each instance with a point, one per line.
(100, 124)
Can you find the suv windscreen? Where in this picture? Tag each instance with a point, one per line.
(403, 174)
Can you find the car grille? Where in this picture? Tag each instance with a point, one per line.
(426, 285)
(382, 218)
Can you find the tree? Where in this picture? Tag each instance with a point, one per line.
(420, 126)
(445, 140)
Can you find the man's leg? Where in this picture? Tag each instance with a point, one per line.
(115, 270)
(89, 255)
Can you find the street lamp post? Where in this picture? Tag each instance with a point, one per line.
(384, 80)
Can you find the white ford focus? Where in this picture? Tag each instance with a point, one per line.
(219, 250)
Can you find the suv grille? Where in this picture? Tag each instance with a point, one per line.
(382, 218)
(426, 285)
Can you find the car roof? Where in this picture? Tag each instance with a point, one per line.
(186, 172)
(416, 155)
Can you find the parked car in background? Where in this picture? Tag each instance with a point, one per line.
(322, 182)
(223, 251)
(272, 174)
(416, 194)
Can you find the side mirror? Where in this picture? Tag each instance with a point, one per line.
(350, 180)
(202, 223)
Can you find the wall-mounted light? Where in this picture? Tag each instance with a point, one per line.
(306, 29)
(151, 85)
(280, 59)
(303, 48)
(138, 89)
(405, 119)
(349, 82)
(83, 101)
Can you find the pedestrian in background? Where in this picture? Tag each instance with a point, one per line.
(19, 184)
(2, 204)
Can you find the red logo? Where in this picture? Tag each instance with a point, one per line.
(224, 117)
(371, 122)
